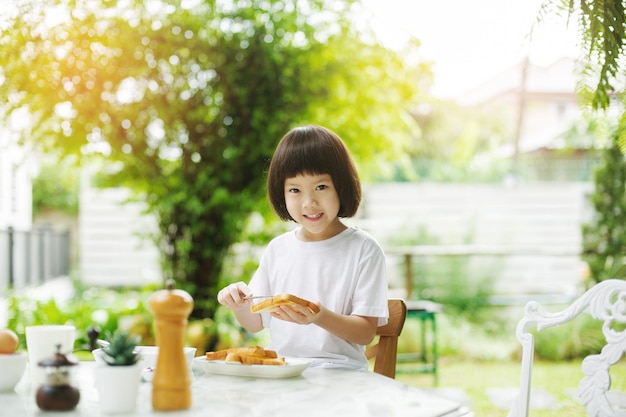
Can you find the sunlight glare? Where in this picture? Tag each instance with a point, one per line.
(470, 42)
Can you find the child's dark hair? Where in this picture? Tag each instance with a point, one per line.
(313, 150)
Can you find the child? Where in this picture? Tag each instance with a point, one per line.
(313, 182)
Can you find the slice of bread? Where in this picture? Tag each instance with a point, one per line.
(254, 360)
(249, 356)
(221, 355)
(269, 305)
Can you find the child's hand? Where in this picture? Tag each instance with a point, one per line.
(297, 313)
(232, 296)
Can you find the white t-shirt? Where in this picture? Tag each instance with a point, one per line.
(346, 273)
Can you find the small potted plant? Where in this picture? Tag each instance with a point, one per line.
(120, 350)
(118, 375)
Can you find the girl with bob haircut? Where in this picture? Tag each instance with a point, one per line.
(313, 182)
(314, 150)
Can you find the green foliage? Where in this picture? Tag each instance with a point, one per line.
(604, 237)
(56, 187)
(573, 340)
(453, 144)
(492, 336)
(106, 309)
(113, 312)
(121, 349)
(185, 104)
(368, 95)
(602, 29)
(445, 280)
(603, 33)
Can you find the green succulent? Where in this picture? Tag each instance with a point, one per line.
(121, 349)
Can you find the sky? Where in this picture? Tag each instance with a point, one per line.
(471, 40)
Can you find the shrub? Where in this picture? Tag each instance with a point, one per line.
(604, 237)
(445, 279)
(113, 309)
(104, 308)
(572, 340)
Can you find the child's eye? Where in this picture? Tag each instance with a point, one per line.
(293, 190)
(322, 187)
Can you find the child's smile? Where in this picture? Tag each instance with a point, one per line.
(313, 202)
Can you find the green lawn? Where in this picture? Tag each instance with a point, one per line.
(475, 377)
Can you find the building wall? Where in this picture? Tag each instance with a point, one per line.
(550, 103)
(16, 170)
(114, 244)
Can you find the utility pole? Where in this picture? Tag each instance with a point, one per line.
(521, 109)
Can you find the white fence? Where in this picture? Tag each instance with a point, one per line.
(33, 256)
(542, 217)
(114, 244)
(526, 220)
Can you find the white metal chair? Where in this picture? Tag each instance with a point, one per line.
(605, 301)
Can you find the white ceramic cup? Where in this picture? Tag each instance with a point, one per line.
(42, 341)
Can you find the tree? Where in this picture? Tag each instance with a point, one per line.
(603, 39)
(604, 238)
(56, 188)
(184, 102)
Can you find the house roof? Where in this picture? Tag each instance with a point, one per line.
(557, 78)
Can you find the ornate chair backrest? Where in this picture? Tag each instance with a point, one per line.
(605, 301)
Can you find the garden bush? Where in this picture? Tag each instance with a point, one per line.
(104, 308)
(569, 341)
(109, 309)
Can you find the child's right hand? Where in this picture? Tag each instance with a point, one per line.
(232, 296)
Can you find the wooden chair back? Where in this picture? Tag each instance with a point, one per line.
(385, 351)
(604, 301)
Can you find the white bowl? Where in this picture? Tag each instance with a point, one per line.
(149, 355)
(13, 366)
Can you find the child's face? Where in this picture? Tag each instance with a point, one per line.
(313, 202)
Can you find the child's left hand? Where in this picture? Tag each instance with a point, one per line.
(297, 313)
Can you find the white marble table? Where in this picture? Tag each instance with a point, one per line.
(316, 393)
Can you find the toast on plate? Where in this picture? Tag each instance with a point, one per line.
(254, 360)
(252, 355)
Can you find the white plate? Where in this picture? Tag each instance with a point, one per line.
(293, 367)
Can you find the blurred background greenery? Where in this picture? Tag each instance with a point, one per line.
(183, 102)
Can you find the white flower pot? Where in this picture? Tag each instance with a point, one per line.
(117, 387)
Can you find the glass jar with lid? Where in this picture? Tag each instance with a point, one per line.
(57, 393)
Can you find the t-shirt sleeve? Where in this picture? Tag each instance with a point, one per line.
(370, 297)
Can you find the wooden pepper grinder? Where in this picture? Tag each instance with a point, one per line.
(171, 385)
